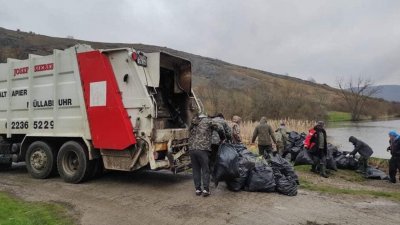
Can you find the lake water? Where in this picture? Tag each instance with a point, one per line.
(374, 133)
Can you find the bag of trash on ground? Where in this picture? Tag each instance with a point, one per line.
(284, 166)
(373, 173)
(244, 152)
(303, 158)
(333, 150)
(331, 164)
(293, 136)
(226, 164)
(343, 162)
(285, 184)
(261, 178)
(295, 143)
(288, 156)
(294, 151)
(330, 160)
(245, 166)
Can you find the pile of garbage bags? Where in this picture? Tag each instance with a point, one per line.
(336, 159)
(244, 170)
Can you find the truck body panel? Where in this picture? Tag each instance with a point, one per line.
(130, 108)
(109, 122)
(43, 97)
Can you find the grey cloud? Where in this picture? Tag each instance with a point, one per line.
(319, 39)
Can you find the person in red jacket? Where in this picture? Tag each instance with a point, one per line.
(318, 148)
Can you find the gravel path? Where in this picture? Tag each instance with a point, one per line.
(163, 198)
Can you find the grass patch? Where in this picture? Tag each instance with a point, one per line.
(303, 168)
(335, 116)
(15, 211)
(382, 164)
(348, 175)
(306, 184)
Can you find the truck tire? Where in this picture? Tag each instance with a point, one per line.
(73, 163)
(39, 160)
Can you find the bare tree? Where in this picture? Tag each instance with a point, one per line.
(355, 93)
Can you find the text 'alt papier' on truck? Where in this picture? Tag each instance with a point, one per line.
(80, 110)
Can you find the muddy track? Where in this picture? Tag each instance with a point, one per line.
(163, 198)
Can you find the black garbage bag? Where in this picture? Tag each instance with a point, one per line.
(303, 158)
(289, 145)
(353, 163)
(285, 184)
(343, 162)
(261, 178)
(330, 160)
(333, 149)
(303, 136)
(299, 143)
(373, 173)
(244, 152)
(331, 164)
(294, 151)
(284, 167)
(288, 156)
(226, 164)
(245, 166)
(336, 154)
(293, 136)
(239, 147)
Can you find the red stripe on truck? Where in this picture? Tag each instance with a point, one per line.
(109, 122)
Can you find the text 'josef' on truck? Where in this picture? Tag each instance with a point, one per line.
(80, 109)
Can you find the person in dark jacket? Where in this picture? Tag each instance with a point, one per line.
(264, 133)
(394, 148)
(319, 149)
(200, 135)
(365, 152)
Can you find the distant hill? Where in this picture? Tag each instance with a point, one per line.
(223, 87)
(389, 92)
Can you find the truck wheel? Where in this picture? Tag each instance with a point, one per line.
(73, 163)
(39, 160)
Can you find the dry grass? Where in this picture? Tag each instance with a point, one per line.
(247, 127)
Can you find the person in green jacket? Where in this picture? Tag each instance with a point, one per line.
(264, 133)
(281, 138)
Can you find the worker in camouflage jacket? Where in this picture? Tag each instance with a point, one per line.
(281, 137)
(219, 119)
(264, 133)
(200, 139)
(365, 152)
(236, 138)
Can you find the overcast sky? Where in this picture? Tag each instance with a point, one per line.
(319, 39)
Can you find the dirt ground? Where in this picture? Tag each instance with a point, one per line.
(164, 198)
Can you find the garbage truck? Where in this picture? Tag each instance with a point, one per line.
(82, 110)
